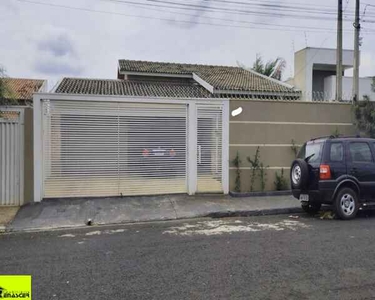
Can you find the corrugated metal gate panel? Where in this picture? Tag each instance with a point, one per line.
(109, 148)
(10, 160)
(209, 152)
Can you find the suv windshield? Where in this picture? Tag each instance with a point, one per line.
(312, 150)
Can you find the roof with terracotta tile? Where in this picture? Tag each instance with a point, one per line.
(224, 78)
(22, 88)
(129, 88)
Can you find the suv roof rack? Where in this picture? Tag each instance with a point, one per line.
(335, 137)
(349, 136)
(323, 137)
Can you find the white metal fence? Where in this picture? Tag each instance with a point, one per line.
(11, 157)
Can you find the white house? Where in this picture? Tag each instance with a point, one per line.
(315, 75)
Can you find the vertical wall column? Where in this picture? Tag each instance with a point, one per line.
(225, 147)
(192, 148)
(38, 149)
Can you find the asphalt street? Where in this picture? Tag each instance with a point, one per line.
(273, 257)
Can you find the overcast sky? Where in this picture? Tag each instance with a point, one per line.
(50, 42)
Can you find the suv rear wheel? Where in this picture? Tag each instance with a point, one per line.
(311, 208)
(346, 204)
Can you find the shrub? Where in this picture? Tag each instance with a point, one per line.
(257, 170)
(280, 181)
(237, 163)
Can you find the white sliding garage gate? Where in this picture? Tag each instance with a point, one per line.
(112, 147)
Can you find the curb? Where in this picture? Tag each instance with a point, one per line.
(215, 215)
(253, 213)
(261, 194)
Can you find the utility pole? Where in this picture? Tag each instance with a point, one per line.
(339, 53)
(357, 27)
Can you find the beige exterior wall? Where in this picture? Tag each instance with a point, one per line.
(272, 125)
(29, 156)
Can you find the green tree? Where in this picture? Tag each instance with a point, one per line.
(3, 86)
(272, 68)
(7, 96)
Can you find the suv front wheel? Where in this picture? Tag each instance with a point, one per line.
(346, 204)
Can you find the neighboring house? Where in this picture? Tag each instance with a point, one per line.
(159, 79)
(219, 81)
(315, 75)
(164, 128)
(16, 140)
(20, 90)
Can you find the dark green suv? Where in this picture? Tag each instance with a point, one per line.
(335, 171)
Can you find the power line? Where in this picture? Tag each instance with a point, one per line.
(199, 8)
(364, 13)
(269, 5)
(156, 18)
(302, 28)
(278, 6)
(226, 9)
(184, 5)
(278, 3)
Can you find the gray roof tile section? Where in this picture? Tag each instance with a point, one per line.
(220, 77)
(129, 88)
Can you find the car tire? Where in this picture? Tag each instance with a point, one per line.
(299, 174)
(311, 208)
(346, 204)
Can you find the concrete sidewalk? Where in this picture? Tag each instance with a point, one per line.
(7, 214)
(65, 213)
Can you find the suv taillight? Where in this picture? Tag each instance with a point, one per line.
(325, 172)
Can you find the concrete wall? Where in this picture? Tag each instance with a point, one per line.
(272, 125)
(347, 86)
(29, 156)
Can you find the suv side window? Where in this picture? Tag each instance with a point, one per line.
(360, 152)
(336, 152)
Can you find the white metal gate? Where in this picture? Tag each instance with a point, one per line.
(209, 148)
(113, 148)
(11, 157)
